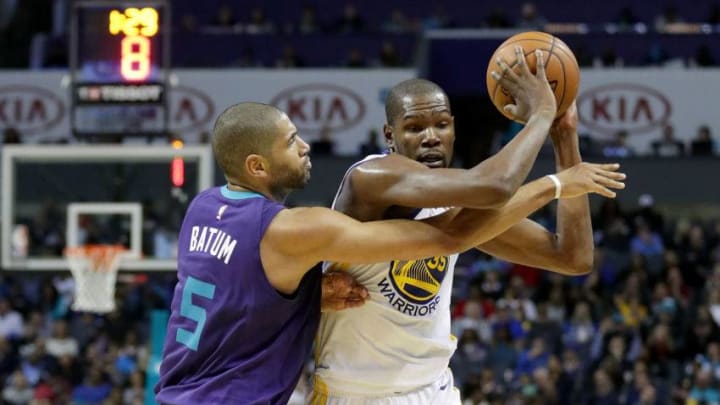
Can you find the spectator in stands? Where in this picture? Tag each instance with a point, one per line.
(534, 357)
(308, 23)
(608, 58)
(619, 147)
(437, 19)
(579, 330)
(398, 23)
(95, 388)
(584, 58)
(371, 145)
(473, 319)
(611, 226)
(324, 145)
(258, 24)
(648, 244)
(700, 332)
(703, 144)
(649, 214)
(36, 363)
(703, 57)
(626, 19)
(11, 136)
(642, 391)
(472, 355)
(225, 18)
(656, 55)
(188, 23)
(713, 303)
(710, 360)
(503, 352)
(665, 20)
(7, 13)
(11, 322)
(497, 18)
(355, 59)
(714, 14)
(61, 343)
(549, 330)
(530, 18)
(17, 391)
(629, 306)
(668, 145)
(703, 390)
(289, 58)
(350, 21)
(556, 305)
(389, 56)
(134, 393)
(8, 358)
(247, 59)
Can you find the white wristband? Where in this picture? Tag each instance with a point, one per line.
(558, 185)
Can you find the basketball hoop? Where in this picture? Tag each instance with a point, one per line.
(94, 268)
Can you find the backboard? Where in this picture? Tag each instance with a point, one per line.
(59, 196)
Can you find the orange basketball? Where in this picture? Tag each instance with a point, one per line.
(561, 68)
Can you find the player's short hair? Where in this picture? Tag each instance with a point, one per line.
(241, 130)
(411, 87)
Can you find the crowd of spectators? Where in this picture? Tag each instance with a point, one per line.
(642, 328)
(33, 33)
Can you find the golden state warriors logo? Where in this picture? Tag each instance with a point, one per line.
(419, 280)
(415, 284)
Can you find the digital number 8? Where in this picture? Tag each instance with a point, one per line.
(135, 64)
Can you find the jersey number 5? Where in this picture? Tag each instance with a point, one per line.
(193, 286)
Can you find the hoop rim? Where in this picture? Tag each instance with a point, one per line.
(101, 257)
(78, 251)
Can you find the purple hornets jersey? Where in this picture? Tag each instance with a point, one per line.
(232, 338)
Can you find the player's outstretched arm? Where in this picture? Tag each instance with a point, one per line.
(395, 180)
(484, 225)
(570, 250)
(299, 238)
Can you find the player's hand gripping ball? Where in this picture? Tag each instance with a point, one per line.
(561, 68)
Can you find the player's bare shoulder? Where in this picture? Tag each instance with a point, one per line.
(372, 177)
(364, 194)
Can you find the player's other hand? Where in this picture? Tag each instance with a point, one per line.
(565, 125)
(585, 178)
(340, 291)
(531, 92)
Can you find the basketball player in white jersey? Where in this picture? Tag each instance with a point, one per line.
(396, 348)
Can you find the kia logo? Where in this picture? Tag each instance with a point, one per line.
(30, 109)
(635, 108)
(312, 107)
(189, 109)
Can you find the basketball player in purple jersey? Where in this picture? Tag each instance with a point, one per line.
(247, 302)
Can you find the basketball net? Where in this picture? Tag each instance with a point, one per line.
(94, 269)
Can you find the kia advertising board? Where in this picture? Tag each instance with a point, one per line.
(345, 103)
(349, 103)
(642, 101)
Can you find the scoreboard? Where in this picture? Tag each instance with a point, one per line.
(119, 67)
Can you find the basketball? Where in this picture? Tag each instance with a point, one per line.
(561, 68)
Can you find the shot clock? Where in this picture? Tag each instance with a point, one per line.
(137, 26)
(119, 64)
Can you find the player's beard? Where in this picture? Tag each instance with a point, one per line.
(289, 179)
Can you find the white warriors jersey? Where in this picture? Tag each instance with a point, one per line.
(400, 339)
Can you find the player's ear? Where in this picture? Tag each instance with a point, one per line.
(388, 135)
(256, 165)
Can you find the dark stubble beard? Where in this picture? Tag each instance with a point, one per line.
(288, 181)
